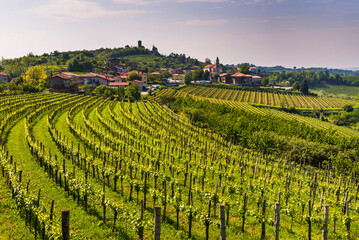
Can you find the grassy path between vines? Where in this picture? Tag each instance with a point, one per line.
(86, 224)
(82, 226)
(12, 226)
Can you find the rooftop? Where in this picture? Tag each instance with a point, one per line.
(119, 84)
(241, 75)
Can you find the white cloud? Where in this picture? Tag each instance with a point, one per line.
(202, 22)
(78, 10)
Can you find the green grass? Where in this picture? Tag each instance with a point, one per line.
(333, 90)
(87, 225)
(53, 67)
(12, 226)
(144, 58)
(82, 225)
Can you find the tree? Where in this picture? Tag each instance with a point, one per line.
(215, 77)
(265, 81)
(166, 75)
(133, 92)
(133, 76)
(99, 90)
(244, 68)
(2, 87)
(187, 78)
(35, 75)
(120, 92)
(86, 88)
(348, 108)
(205, 75)
(197, 75)
(80, 63)
(108, 92)
(296, 85)
(304, 87)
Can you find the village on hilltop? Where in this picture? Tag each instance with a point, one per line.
(213, 73)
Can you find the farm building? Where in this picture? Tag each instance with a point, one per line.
(96, 79)
(225, 78)
(240, 79)
(4, 77)
(62, 83)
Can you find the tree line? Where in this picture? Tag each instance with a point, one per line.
(313, 78)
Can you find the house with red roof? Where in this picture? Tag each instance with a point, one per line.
(240, 79)
(4, 77)
(120, 68)
(194, 68)
(74, 77)
(177, 76)
(62, 83)
(138, 83)
(164, 70)
(117, 84)
(155, 73)
(97, 79)
(225, 78)
(253, 69)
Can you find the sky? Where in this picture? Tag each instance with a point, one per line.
(301, 33)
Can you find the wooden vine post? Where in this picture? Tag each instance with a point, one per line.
(65, 224)
(348, 220)
(52, 210)
(141, 229)
(145, 191)
(222, 217)
(244, 211)
(325, 222)
(263, 233)
(157, 223)
(103, 201)
(277, 220)
(165, 201)
(208, 219)
(309, 220)
(215, 201)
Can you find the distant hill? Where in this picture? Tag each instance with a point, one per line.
(346, 71)
(98, 60)
(352, 69)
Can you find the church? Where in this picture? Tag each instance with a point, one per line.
(213, 68)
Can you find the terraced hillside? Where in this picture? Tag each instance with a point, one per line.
(313, 122)
(264, 98)
(100, 157)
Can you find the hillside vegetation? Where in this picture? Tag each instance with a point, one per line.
(341, 91)
(100, 157)
(264, 97)
(96, 61)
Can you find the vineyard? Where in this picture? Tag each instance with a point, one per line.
(111, 163)
(313, 122)
(264, 98)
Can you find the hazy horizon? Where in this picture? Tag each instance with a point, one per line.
(307, 33)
